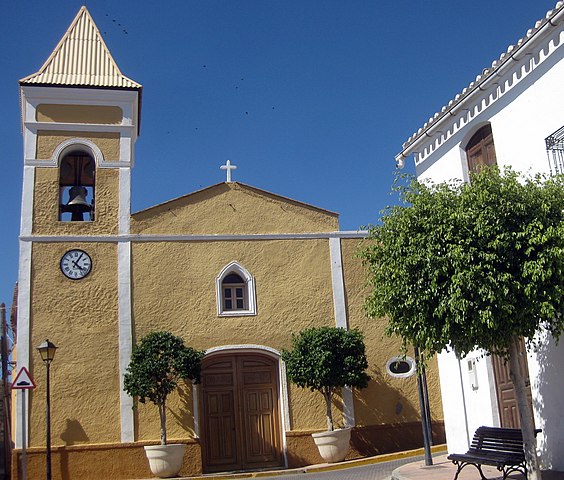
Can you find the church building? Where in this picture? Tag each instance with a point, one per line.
(232, 269)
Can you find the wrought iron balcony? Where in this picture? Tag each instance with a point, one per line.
(555, 151)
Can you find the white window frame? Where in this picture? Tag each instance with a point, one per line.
(235, 267)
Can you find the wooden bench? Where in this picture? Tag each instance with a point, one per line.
(497, 447)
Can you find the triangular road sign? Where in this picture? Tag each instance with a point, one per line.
(23, 380)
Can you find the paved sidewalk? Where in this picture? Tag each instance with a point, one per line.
(443, 469)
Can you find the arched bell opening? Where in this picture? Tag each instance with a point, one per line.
(77, 181)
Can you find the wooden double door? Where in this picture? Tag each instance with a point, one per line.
(240, 413)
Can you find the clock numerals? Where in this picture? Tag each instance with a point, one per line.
(76, 264)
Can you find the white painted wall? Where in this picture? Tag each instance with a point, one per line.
(547, 386)
(454, 404)
(520, 128)
(470, 398)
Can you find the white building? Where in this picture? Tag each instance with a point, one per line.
(512, 114)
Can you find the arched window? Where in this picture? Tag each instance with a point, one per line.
(480, 150)
(235, 291)
(77, 172)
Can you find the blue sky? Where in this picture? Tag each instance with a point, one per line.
(310, 99)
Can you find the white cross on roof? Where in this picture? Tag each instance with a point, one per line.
(228, 167)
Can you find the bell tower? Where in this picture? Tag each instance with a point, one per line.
(80, 121)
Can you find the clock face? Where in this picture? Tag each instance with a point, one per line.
(76, 264)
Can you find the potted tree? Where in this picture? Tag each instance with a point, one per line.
(158, 363)
(326, 359)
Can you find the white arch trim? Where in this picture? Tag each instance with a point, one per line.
(283, 384)
(73, 144)
(251, 347)
(472, 131)
(271, 352)
(464, 143)
(235, 267)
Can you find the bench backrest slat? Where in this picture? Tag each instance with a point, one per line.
(507, 440)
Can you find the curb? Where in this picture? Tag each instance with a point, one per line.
(324, 467)
(396, 475)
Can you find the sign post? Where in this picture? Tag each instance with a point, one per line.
(23, 382)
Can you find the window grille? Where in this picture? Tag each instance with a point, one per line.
(555, 151)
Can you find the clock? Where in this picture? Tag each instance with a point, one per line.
(76, 264)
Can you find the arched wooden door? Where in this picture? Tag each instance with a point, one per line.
(240, 412)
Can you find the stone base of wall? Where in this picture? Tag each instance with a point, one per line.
(126, 461)
(378, 439)
(119, 461)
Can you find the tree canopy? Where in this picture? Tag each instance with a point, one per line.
(470, 265)
(325, 359)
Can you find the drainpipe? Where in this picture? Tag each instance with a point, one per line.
(463, 400)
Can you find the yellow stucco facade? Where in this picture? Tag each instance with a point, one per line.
(237, 209)
(96, 114)
(80, 317)
(397, 398)
(48, 140)
(47, 198)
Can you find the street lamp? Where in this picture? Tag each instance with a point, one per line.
(47, 352)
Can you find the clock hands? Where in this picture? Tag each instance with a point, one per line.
(75, 262)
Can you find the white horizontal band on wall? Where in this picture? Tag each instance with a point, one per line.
(191, 238)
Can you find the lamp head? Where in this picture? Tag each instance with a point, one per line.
(47, 351)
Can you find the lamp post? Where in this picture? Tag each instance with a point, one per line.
(425, 411)
(47, 352)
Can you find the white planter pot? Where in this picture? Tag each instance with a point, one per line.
(165, 460)
(333, 446)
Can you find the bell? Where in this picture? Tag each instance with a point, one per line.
(77, 204)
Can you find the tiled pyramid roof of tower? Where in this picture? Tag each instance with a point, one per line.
(552, 18)
(81, 59)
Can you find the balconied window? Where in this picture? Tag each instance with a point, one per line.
(555, 151)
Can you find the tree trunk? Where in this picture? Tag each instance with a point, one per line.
(328, 393)
(162, 414)
(525, 414)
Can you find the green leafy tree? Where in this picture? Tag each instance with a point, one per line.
(158, 363)
(476, 265)
(326, 359)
